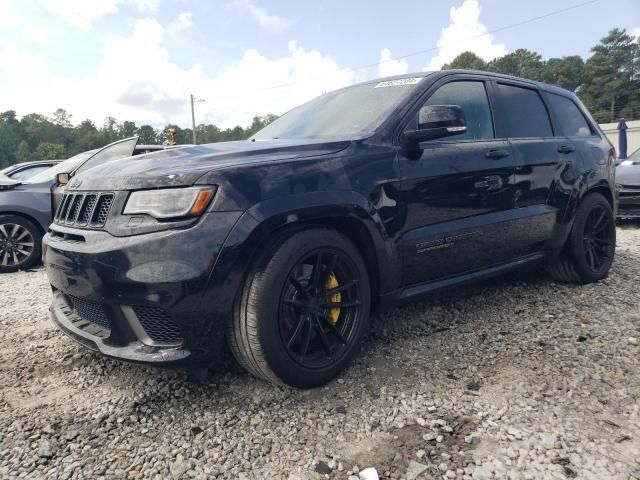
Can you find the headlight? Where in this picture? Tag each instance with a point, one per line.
(170, 202)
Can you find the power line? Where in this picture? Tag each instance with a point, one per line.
(433, 49)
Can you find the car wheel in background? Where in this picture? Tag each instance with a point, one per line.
(589, 251)
(303, 310)
(20, 243)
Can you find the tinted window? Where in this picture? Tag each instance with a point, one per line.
(570, 117)
(472, 98)
(521, 113)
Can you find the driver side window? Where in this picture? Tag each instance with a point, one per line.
(471, 96)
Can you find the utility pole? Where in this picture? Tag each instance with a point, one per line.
(193, 116)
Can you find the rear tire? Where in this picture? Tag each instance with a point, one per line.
(20, 243)
(588, 254)
(284, 328)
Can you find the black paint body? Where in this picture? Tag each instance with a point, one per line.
(448, 213)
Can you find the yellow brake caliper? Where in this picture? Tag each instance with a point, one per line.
(334, 313)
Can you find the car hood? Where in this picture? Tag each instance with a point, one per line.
(183, 166)
(7, 183)
(628, 175)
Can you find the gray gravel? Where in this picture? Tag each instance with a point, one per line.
(518, 378)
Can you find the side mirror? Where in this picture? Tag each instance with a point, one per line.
(63, 178)
(437, 121)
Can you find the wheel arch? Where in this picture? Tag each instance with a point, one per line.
(346, 212)
(28, 217)
(602, 189)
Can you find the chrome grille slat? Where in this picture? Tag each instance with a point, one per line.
(87, 209)
(84, 210)
(64, 206)
(74, 209)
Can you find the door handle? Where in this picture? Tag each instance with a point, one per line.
(566, 149)
(496, 154)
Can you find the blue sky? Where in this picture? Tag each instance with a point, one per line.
(140, 59)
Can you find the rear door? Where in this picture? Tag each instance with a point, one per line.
(540, 156)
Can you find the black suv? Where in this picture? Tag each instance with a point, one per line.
(355, 201)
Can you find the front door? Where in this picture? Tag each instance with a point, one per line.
(458, 194)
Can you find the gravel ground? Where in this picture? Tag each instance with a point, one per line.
(517, 378)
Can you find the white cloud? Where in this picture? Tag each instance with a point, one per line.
(145, 5)
(138, 81)
(635, 32)
(390, 66)
(83, 13)
(273, 23)
(19, 64)
(35, 34)
(465, 32)
(183, 22)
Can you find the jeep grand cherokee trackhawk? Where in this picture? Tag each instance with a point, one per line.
(357, 200)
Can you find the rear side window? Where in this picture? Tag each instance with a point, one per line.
(571, 119)
(521, 113)
(471, 96)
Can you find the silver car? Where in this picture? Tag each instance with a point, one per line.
(628, 184)
(27, 206)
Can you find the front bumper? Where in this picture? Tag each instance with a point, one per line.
(139, 298)
(629, 205)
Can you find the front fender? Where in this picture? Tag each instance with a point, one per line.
(258, 226)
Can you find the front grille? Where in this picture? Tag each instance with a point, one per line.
(158, 324)
(88, 210)
(90, 311)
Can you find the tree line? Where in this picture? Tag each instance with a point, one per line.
(37, 137)
(608, 82)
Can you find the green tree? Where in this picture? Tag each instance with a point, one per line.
(147, 135)
(88, 137)
(466, 60)
(258, 123)
(10, 137)
(23, 152)
(61, 118)
(521, 63)
(49, 151)
(127, 129)
(566, 72)
(109, 129)
(612, 87)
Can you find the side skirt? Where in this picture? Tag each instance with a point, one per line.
(410, 293)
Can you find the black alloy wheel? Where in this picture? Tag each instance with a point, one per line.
(320, 308)
(19, 243)
(599, 238)
(588, 254)
(303, 309)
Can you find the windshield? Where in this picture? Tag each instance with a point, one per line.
(63, 167)
(347, 112)
(50, 173)
(114, 151)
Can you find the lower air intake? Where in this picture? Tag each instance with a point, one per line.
(158, 325)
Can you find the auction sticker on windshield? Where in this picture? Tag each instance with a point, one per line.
(397, 83)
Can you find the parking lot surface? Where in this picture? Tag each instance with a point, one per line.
(514, 378)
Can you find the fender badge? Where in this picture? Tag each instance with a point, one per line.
(75, 184)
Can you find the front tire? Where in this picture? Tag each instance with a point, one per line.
(590, 248)
(303, 310)
(20, 243)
